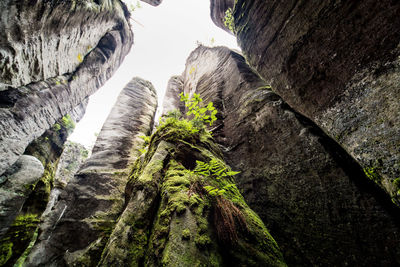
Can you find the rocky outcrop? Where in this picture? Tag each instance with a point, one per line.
(49, 147)
(338, 64)
(54, 55)
(218, 10)
(93, 199)
(71, 159)
(24, 202)
(171, 98)
(171, 220)
(314, 199)
(16, 185)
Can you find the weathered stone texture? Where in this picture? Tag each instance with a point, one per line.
(337, 62)
(15, 187)
(54, 55)
(218, 10)
(312, 196)
(92, 201)
(171, 98)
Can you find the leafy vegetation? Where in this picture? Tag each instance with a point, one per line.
(133, 7)
(229, 20)
(67, 122)
(56, 127)
(205, 115)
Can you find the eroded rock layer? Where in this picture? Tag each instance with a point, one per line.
(54, 55)
(312, 196)
(92, 201)
(337, 62)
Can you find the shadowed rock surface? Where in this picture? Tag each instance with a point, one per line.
(337, 62)
(15, 186)
(55, 54)
(312, 196)
(93, 199)
(73, 156)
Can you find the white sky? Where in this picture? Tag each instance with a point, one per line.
(163, 41)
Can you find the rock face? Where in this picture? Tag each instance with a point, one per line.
(93, 199)
(24, 201)
(16, 185)
(54, 55)
(71, 159)
(171, 98)
(338, 64)
(218, 10)
(171, 220)
(312, 196)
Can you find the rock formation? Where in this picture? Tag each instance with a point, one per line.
(338, 64)
(218, 10)
(171, 98)
(94, 198)
(312, 196)
(308, 116)
(73, 156)
(54, 55)
(171, 220)
(26, 193)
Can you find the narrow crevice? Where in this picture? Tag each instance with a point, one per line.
(350, 166)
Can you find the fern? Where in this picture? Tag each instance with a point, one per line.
(215, 169)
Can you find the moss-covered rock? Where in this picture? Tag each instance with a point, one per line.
(78, 227)
(17, 238)
(313, 197)
(171, 220)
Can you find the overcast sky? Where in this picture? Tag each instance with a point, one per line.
(163, 38)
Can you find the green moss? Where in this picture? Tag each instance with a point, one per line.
(5, 252)
(396, 183)
(185, 209)
(202, 241)
(17, 238)
(371, 173)
(56, 127)
(186, 234)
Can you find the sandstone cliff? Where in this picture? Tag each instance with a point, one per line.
(313, 197)
(54, 55)
(93, 199)
(26, 187)
(338, 64)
